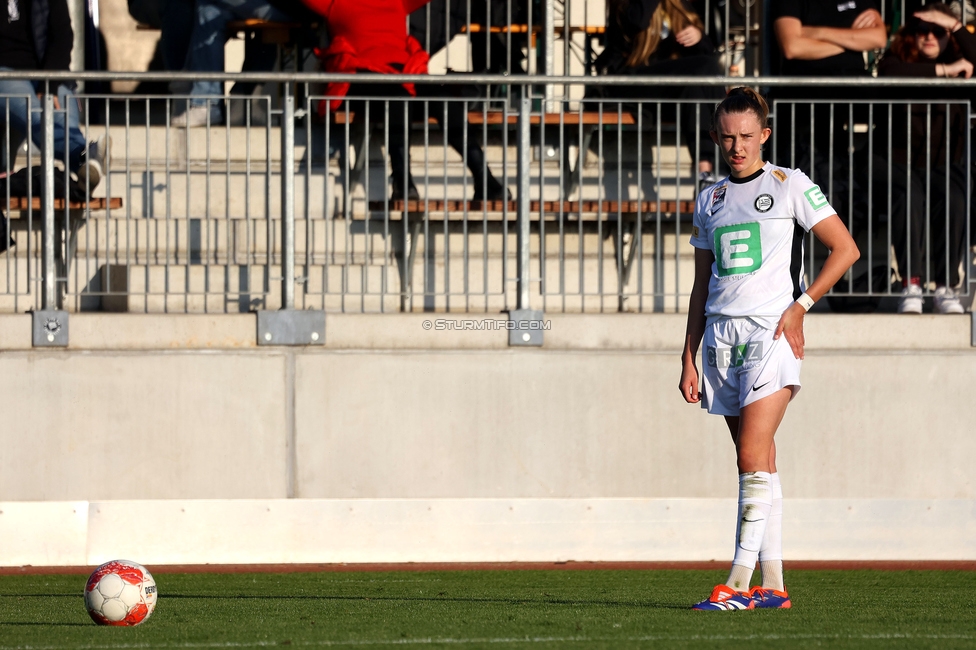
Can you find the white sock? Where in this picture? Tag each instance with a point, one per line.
(771, 553)
(755, 502)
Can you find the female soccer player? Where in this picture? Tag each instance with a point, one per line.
(748, 302)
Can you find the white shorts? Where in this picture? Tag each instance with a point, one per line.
(742, 363)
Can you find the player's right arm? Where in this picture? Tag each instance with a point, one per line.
(695, 329)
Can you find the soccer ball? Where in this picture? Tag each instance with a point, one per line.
(120, 593)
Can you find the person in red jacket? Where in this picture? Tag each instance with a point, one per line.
(371, 36)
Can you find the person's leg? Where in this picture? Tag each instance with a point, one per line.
(947, 229)
(463, 138)
(948, 225)
(24, 110)
(66, 129)
(16, 107)
(907, 218)
(771, 552)
(206, 49)
(756, 425)
(393, 122)
(178, 18)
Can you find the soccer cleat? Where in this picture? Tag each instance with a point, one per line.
(911, 300)
(947, 301)
(769, 598)
(725, 598)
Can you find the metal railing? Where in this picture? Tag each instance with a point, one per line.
(297, 212)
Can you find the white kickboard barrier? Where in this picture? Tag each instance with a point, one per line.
(468, 530)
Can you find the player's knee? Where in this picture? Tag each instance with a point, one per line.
(750, 458)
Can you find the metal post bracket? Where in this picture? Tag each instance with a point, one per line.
(526, 328)
(50, 328)
(291, 327)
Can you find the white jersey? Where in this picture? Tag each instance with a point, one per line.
(755, 227)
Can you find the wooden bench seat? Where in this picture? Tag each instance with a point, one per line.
(21, 204)
(65, 243)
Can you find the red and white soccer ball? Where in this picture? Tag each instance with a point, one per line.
(120, 593)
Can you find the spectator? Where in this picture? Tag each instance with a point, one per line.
(824, 39)
(436, 23)
(174, 19)
(206, 50)
(664, 37)
(28, 41)
(933, 43)
(371, 36)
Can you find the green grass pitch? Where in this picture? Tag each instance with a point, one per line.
(500, 609)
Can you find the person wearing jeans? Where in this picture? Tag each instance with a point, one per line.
(206, 53)
(25, 107)
(28, 42)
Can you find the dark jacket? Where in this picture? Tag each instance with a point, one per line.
(623, 29)
(297, 10)
(53, 37)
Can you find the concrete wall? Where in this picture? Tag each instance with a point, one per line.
(165, 410)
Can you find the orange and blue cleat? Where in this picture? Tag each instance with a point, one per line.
(725, 598)
(769, 598)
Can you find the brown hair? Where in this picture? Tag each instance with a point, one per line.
(743, 99)
(905, 46)
(646, 42)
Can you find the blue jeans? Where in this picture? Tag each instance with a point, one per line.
(25, 106)
(210, 33)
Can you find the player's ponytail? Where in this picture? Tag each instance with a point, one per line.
(743, 99)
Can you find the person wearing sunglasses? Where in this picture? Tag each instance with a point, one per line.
(929, 177)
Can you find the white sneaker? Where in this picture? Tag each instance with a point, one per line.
(911, 300)
(198, 115)
(96, 161)
(947, 301)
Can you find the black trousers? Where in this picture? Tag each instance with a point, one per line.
(450, 114)
(942, 230)
(694, 128)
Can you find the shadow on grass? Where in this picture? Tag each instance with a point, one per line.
(443, 599)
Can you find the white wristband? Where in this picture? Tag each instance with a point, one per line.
(805, 301)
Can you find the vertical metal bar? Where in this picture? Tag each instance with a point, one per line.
(50, 297)
(968, 249)
(288, 197)
(549, 33)
(524, 161)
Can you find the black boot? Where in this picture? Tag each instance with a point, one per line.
(486, 186)
(6, 241)
(398, 194)
(492, 191)
(400, 164)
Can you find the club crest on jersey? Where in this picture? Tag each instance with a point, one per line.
(718, 198)
(764, 202)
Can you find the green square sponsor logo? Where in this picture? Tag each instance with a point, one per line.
(816, 197)
(738, 249)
